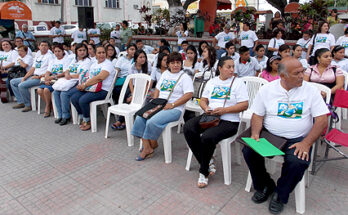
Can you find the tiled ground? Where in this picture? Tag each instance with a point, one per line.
(49, 169)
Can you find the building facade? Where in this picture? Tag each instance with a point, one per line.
(66, 10)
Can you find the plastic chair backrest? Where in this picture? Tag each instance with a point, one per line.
(108, 96)
(323, 88)
(124, 53)
(345, 79)
(141, 87)
(253, 85)
(341, 99)
(151, 57)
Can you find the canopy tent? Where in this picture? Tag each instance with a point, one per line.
(224, 5)
(15, 10)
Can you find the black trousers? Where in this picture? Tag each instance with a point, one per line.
(203, 142)
(292, 171)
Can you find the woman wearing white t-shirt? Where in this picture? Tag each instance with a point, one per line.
(276, 41)
(209, 65)
(338, 58)
(160, 67)
(182, 34)
(55, 70)
(343, 41)
(322, 39)
(297, 53)
(76, 68)
(111, 54)
(100, 73)
(7, 55)
(150, 130)
(91, 52)
(191, 66)
(202, 142)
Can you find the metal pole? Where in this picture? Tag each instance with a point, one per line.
(62, 11)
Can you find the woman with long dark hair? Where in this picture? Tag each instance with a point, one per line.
(191, 66)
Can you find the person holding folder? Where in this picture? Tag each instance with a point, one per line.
(286, 108)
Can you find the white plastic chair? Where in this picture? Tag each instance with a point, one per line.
(74, 114)
(33, 97)
(108, 100)
(253, 85)
(344, 110)
(141, 87)
(225, 147)
(300, 189)
(124, 53)
(53, 105)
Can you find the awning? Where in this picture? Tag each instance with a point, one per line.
(15, 10)
(224, 5)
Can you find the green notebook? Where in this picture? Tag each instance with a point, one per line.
(263, 147)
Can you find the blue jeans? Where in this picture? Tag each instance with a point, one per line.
(62, 102)
(81, 101)
(251, 51)
(151, 129)
(21, 89)
(219, 52)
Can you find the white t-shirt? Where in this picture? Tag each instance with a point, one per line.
(275, 43)
(7, 57)
(262, 62)
(94, 31)
(41, 62)
(78, 36)
(289, 114)
(166, 83)
(106, 65)
(234, 57)
(57, 66)
(27, 59)
(343, 41)
(58, 31)
(322, 41)
(304, 63)
(148, 49)
(181, 37)
(156, 74)
(216, 91)
(114, 62)
(208, 72)
(123, 64)
(15, 50)
(342, 64)
(248, 38)
(133, 70)
(79, 66)
(224, 38)
(116, 35)
(191, 71)
(248, 69)
(304, 44)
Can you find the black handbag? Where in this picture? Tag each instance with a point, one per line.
(199, 84)
(155, 105)
(269, 53)
(16, 72)
(207, 120)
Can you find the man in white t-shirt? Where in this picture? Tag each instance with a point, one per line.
(57, 33)
(246, 65)
(304, 43)
(94, 34)
(21, 86)
(116, 34)
(248, 38)
(79, 35)
(140, 45)
(286, 108)
(221, 39)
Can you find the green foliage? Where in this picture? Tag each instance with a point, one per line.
(339, 3)
(105, 33)
(315, 9)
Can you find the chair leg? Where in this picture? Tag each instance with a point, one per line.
(238, 153)
(74, 114)
(226, 161)
(300, 196)
(140, 144)
(93, 115)
(248, 183)
(129, 126)
(107, 124)
(54, 107)
(339, 114)
(38, 104)
(344, 113)
(33, 99)
(167, 144)
(189, 159)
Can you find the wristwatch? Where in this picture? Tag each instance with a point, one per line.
(173, 105)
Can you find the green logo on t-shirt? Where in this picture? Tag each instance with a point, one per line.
(220, 93)
(167, 85)
(290, 110)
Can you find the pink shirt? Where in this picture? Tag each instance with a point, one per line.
(328, 75)
(266, 75)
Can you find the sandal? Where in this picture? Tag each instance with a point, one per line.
(202, 181)
(86, 127)
(47, 114)
(115, 125)
(212, 167)
(121, 127)
(139, 158)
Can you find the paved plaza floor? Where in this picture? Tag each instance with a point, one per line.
(49, 169)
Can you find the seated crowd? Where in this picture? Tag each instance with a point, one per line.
(87, 73)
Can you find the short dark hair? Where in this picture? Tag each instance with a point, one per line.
(175, 56)
(184, 42)
(162, 48)
(19, 38)
(44, 41)
(283, 48)
(246, 23)
(229, 44)
(138, 41)
(125, 23)
(276, 31)
(319, 53)
(346, 31)
(132, 44)
(243, 49)
(258, 47)
(58, 21)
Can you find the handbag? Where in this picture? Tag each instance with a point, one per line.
(16, 72)
(63, 84)
(155, 105)
(311, 60)
(269, 53)
(209, 120)
(199, 84)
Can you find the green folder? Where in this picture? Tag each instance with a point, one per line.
(263, 147)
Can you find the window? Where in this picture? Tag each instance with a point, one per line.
(83, 2)
(112, 3)
(48, 1)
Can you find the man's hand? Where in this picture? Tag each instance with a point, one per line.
(35, 77)
(255, 137)
(301, 151)
(208, 110)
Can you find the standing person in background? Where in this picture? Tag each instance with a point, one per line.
(126, 35)
(94, 34)
(27, 36)
(333, 18)
(276, 41)
(214, 29)
(304, 43)
(79, 35)
(248, 38)
(182, 34)
(57, 33)
(116, 34)
(222, 38)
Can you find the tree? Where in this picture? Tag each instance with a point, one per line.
(339, 3)
(280, 4)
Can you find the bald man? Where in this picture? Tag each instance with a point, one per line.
(286, 108)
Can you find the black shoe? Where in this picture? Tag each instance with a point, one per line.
(276, 205)
(262, 196)
(64, 121)
(57, 121)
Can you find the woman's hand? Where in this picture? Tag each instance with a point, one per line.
(323, 94)
(208, 110)
(67, 76)
(47, 83)
(35, 77)
(218, 111)
(168, 106)
(80, 87)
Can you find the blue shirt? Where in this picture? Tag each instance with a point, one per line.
(25, 35)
